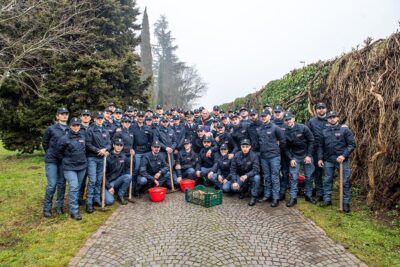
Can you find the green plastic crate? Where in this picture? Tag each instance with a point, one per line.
(209, 198)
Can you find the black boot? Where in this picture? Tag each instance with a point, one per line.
(311, 200)
(292, 202)
(89, 209)
(122, 201)
(282, 197)
(346, 208)
(76, 216)
(325, 204)
(265, 199)
(275, 203)
(59, 211)
(242, 195)
(252, 201)
(47, 214)
(320, 199)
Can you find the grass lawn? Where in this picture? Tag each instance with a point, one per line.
(26, 238)
(374, 241)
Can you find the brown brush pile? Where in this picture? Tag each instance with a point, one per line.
(364, 87)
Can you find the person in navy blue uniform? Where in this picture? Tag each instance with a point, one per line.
(245, 172)
(221, 169)
(117, 173)
(186, 162)
(206, 161)
(98, 145)
(224, 137)
(54, 173)
(299, 148)
(179, 130)
(227, 123)
(108, 122)
(71, 150)
(190, 126)
(335, 147)
(142, 139)
(272, 142)
(153, 168)
(255, 125)
(117, 116)
(284, 177)
(244, 117)
(167, 138)
(125, 133)
(86, 119)
(239, 130)
(317, 124)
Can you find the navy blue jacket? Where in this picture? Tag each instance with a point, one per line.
(97, 138)
(239, 132)
(151, 163)
(227, 139)
(299, 142)
(179, 131)
(242, 164)
(50, 141)
(166, 136)
(197, 144)
(222, 166)
(190, 131)
(336, 141)
(110, 127)
(271, 140)
(186, 160)
(142, 138)
(117, 165)
(204, 161)
(127, 136)
(317, 125)
(71, 150)
(252, 130)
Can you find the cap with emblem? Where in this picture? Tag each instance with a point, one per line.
(186, 141)
(179, 110)
(266, 106)
(164, 119)
(140, 114)
(108, 110)
(149, 110)
(220, 125)
(129, 109)
(118, 141)
(253, 111)
(86, 112)
(216, 108)
(320, 105)
(148, 118)
(207, 139)
(234, 115)
(62, 110)
(99, 115)
(265, 113)
(159, 106)
(243, 109)
(74, 121)
(189, 113)
(245, 142)
(200, 128)
(118, 110)
(331, 114)
(156, 143)
(125, 119)
(176, 117)
(289, 115)
(135, 110)
(278, 108)
(155, 116)
(223, 147)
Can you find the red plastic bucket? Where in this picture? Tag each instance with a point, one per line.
(300, 179)
(187, 183)
(157, 194)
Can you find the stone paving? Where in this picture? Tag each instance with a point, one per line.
(176, 233)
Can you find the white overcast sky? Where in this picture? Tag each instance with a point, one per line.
(239, 46)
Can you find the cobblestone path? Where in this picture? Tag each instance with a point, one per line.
(174, 233)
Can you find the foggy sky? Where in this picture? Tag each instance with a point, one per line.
(239, 46)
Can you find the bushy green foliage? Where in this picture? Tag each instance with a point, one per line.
(283, 91)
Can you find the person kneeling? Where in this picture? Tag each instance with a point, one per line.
(245, 169)
(117, 177)
(186, 162)
(154, 169)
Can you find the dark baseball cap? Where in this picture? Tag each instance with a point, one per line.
(74, 121)
(242, 108)
(207, 139)
(108, 110)
(186, 141)
(86, 112)
(129, 109)
(159, 107)
(148, 118)
(216, 108)
(99, 114)
(200, 128)
(156, 143)
(62, 110)
(265, 113)
(245, 142)
(164, 119)
(289, 115)
(267, 106)
(141, 113)
(220, 125)
(125, 119)
(176, 117)
(118, 141)
(278, 108)
(320, 105)
(189, 113)
(118, 110)
(253, 111)
(223, 147)
(331, 114)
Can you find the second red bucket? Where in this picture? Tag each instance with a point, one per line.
(187, 183)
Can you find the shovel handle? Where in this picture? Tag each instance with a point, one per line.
(341, 186)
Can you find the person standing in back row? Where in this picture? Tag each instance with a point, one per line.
(335, 146)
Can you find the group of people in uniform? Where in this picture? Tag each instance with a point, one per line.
(254, 154)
